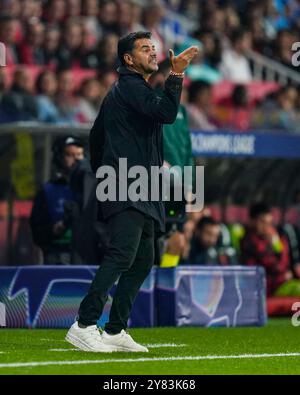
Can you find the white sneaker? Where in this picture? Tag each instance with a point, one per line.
(87, 339)
(122, 342)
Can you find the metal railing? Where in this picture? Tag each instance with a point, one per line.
(266, 69)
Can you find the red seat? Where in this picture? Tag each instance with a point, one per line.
(22, 208)
(79, 75)
(234, 213)
(216, 212)
(281, 305)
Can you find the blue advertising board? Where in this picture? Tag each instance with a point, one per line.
(211, 296)
(49, 296)
(234, 144)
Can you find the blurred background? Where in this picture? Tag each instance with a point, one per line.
(239, 118)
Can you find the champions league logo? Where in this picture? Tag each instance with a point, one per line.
(38, 291)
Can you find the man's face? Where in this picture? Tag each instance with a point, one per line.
(72, 153)
(209, 235)
(143, 57)
(264, 224)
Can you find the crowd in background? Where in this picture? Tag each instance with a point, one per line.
(49, 43)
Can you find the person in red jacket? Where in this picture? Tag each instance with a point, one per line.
(262, 245)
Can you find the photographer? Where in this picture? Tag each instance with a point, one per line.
(51, 216)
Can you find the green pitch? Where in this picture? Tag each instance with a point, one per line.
(274, 349)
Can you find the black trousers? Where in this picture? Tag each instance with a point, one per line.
(129, 258)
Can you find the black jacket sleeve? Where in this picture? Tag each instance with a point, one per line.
(96, 140)
(163, 108)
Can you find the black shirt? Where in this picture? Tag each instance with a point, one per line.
(129, 125)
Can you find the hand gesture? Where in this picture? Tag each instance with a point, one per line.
(180, 62)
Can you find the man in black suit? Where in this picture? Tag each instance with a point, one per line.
(129, 125)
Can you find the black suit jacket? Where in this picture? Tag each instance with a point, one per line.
(129, 125)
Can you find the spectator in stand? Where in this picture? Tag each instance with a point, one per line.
(152, 18)
(108, 16)
(206, 247)
(106, 79)
(283, 47)
(232, 20)
(66, 102)
(235, 112)
(104, 58)
(12, 7)
(90, 98)
(69, 53)
(8, 36)
(73, 8)
(199, 96)
(124, 17)
(31, 9)
(211, 49)
(90, 11)
(46, 87)
(51, 216)
(263, 245)
(234, 65)
(31, 49)
(51, 45)
(19, 103)
(137, 12)
(55, 11)
(279, 111)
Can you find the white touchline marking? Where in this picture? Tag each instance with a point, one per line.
(183, 358)
(147, 345)
(63, 349)
(165, 345)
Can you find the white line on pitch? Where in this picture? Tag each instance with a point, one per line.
(147, 345)
(164, 345)
(168, 359)
(63, 349)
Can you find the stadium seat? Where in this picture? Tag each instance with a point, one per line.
(234, 213)
(280, 306)
(79, 75)
(257, 90)
(216, 211)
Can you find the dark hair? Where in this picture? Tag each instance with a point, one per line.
(258, 209)
(59, 146)
(39, 80)
(126, 43)
(195, 88)
(240, 96)
(238, 34)
(204, 221)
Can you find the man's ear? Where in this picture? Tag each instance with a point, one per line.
(128, 59)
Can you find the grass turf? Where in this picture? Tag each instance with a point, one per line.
(279, 336)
